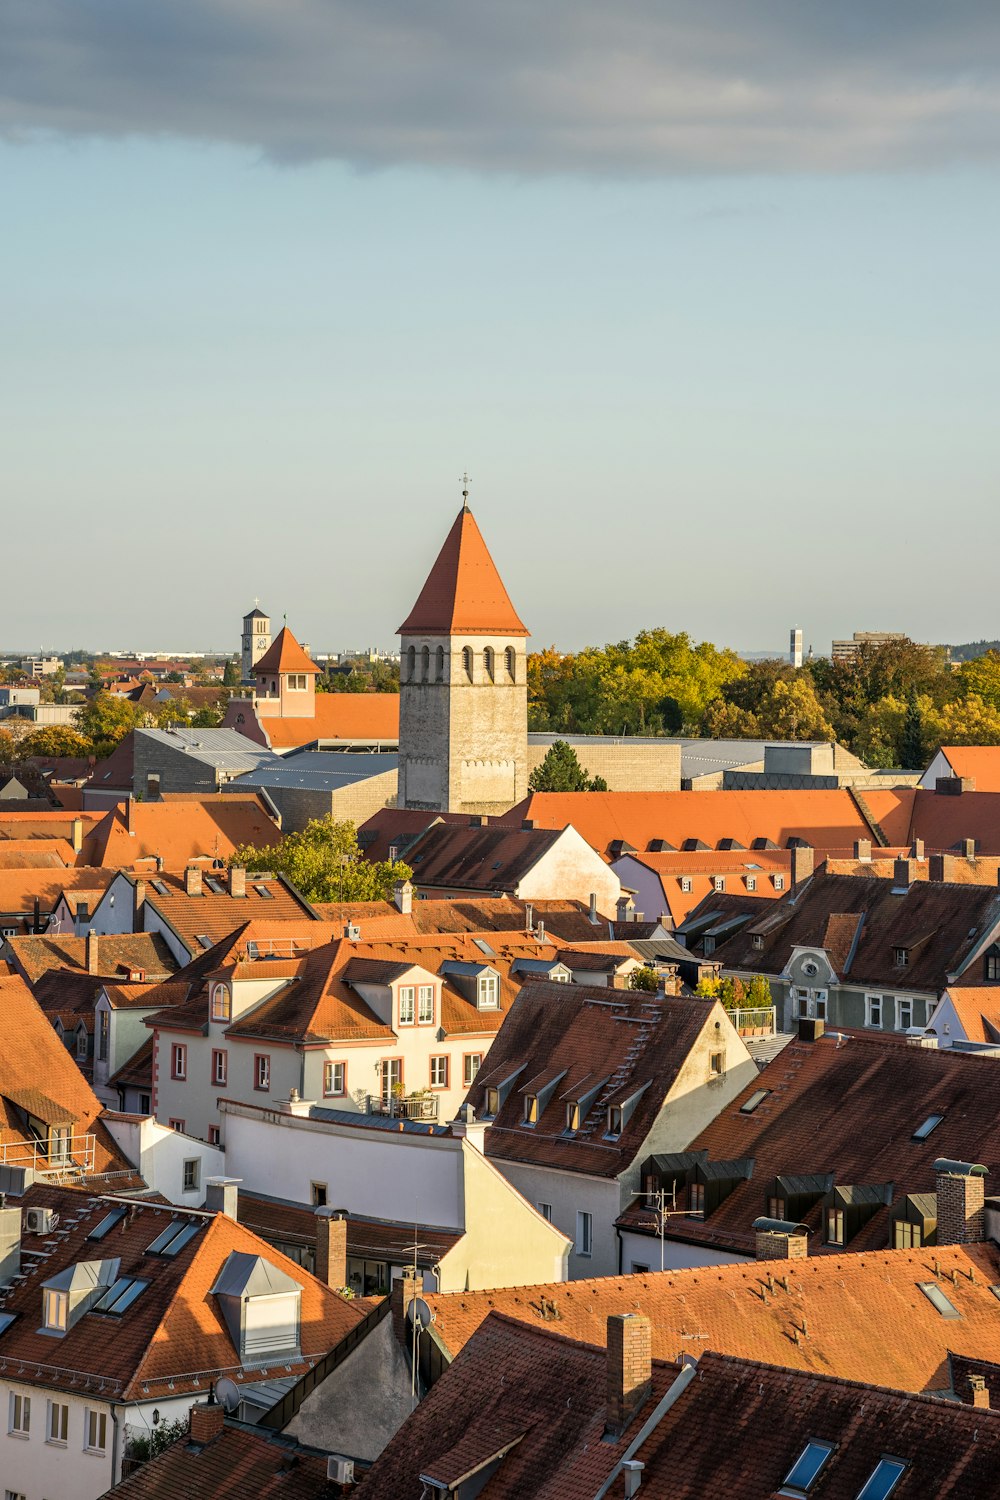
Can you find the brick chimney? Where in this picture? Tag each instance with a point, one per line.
(803, 863)
(863, 849)
(941, 867)
(777, 1239)
(138, 902)
(917, 849)
(961, 1198)
(402, 895)
(980, 1392)
(207, 1421)
(903, 874)
(92, 953)
(238, 882)
(192, 880)
(331, 1246)
(630, 1368)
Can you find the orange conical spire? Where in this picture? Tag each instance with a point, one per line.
(464, 593)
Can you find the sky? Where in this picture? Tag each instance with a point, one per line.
(703, 297)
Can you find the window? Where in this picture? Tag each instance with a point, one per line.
(192, 1174)
(107, 1223)
(13, 1495)
(883, 1481)
(425, 664)
(492, 1101)
(95, 1429)
(686, 884)
(805, 1470)
(907, 1236)
(717, 1063)
(696, 1198)
(81, 1044)
(776, 1208)
(55, 1310)
(20, 1415)
(222, 1005)
(835, 1226)
(901, 957)
(757, 941)
(439, 1072)
(425, 1004)
(407, 1004)
(531, 1109)
(779, 882)
(176, 1125)
(488, 992)
(751, 882)
(756, 1098)
(178, 1061)
(991, 966)
(614, 1120)
(873, 1004)
(719, 882)
(803, 1001)
(215, 1135)
(144, 1102)
(220, 1067)
(467, 661)
(440, 664)
(488, 662)
(296, 681)
(927, 1128)
(319, 1194)
(904, 1015)
(58, 1425)
(638, 1270)
(171, 1241)
(584, 1233)
(103, 1034)
(572, 1115)
(821, 1005)
(261, 1072)
(937, 1298)
(545, 1209)
(334, 1079)
(411, 663)
(471, 1063)
(708, 946)
(509, 662)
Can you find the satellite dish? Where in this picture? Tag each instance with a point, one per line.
(421, 1313)
(228, 1393)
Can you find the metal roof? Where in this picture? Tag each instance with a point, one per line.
(315, 770)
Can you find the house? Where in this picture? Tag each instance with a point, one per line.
(670, 884)
(29, 896)
(580, 1086)
(118, 1314)
(563, 921)
(178, 831)
(325, 781)
(859, 1140)
(190, 760)
(976, 767)
(496, 1425)
(967, 1014)
(857, 952)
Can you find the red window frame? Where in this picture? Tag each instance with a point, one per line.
(217, 1082)
(466, 1059)
(265, 1058)
(178, 1054)
(176, 1125)
(332, 1093)
(215, 1135)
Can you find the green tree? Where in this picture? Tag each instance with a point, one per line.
(708, 989)
(965, 721)
(56, 739)
(758, 995)
(645, 978)
(231, 673)
(561, 771)
(106, 719)
(911, 743)
(981, 678)
(324, 862)
(8, 748)
(208, 717)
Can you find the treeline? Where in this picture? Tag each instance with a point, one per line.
(893, 705)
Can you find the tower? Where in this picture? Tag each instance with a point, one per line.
(463, 695)
(795, 647)
(256, 640)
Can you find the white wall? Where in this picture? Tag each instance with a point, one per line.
(160, 1155)
(939, 766)
(569, 1193)
(571, 870)
(644, 1250)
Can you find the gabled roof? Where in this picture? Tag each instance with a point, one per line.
(978, 1009)
(981, 763)
(487, 859)
(240, 1462)
(179, 830)
(284, 655)
(464, 593)
(38, 955)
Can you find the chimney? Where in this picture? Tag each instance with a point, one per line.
(917, 849)
(941, 867)
(954, 786)
(36, 920)
(352, 932)
(331, 1247)
(593, 908)
(980, 1392)
(207, 1421)
(77, 835)
(129, 823)
(92, 953)
(632, 1470)
(961, 1202)
(630, 1368)
(222, 1194)
(803, 863)
(192, 880)
(902, 874)
(527, 825)
(969, 849)
(529, 916)
(811, 1028)
(540, 932)
(623, 906)
(238, 882)
(863, 849)
(779, 1239)
(402, 895)
(138, 902)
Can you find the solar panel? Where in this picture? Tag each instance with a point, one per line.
(107, 1223)
(173, 1239)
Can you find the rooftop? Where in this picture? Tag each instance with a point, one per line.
(464, 594)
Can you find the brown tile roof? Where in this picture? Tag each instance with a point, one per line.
(944, 821)
(38, 955)
(565, 921)
(486, 859)
(939, 925)
(983, 870)
(285, 655)
(621, 1042)
(866, 1318)
(464, 594)
(401, 826)
(174, 1329)
(137, 1073)
(237, 1464)
(848, 1111)
(373, 1239)
(214, 914)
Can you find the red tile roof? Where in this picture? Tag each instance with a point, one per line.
(339, 716)
(236, 1465)
(179, 831)
(464, 593)
(978, 1009)
(284, 655)
(980, 762)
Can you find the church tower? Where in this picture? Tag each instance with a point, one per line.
(463, 694)
(256, 641)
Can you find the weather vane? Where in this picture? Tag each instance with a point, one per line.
(465, 489)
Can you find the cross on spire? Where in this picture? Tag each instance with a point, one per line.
(465, 490)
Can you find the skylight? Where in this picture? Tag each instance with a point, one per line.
(120, 1296)
(6, 1319)
(805, 1470)
(757, 1097)
(205, 941)
(214, 886)
(160, 888)
(930, 1124)
(884, 1480)
(173, 1239)
(263, 891)
(937, 1298)
(484, 947)
(107, 1223)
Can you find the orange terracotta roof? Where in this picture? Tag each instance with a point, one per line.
(284, 655)
(35, 854)
(978, 1009)
(980, 762)
(180, 831)
(19, 889)
(339, 716)
(464, 593)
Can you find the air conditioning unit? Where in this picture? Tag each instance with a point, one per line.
(340, 1469)
(40, 1220)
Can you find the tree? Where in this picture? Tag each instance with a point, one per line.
(323, 862)
(981, 678)
(8, 748)
(57, 739)
(561, 771)
(107, 719)
(911, 743)
(645, 978)
(208, 717)
(966, 721)
(758, 996)
(231, 674)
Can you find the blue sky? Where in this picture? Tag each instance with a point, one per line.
(691, 392)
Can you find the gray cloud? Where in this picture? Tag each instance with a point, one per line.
(599, 86)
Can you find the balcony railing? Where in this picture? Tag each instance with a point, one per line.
(425, 1108)
(758, 1022)
(72, 1156)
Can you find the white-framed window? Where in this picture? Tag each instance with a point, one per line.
(545, 1209)
(19, 1420)
(176, 1124)
(904, 1014)
(425, 1004)
(334, 1078)
(13, 1495)
(719, 882)
(531, 1109)
(686, 884)
(820, 1004)
(95, 1429)
(751, 882)
(407, 1005)
(178, 1061)
(492, 1102)
(56, 1311)
(261, 1071)
(220, 1066)
(439, 1072)
(907, 1236)
(471, 1063)
(779, 882)
(584, 1233)
(873, 1008)
(835, 1226)
(215, 1135)
(614, 1121)
(222, 1003)
(297, 681)
(57, 1427)
(81, 1044)
(488, 992)
(192, 1175)
(901, 957)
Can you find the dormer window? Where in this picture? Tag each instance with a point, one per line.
(488, 992)
(751, 882)
(425, 1005)
(531, 1109)
(492, 1102)
(757, 941)
(56, 1311)
(719, 882)
(901, 957)
(708, 946)
(222, 1007)
(81, 1044)
(686, 884)
(572, 1115)
(779, 882)
(614, 1129)
(991, 967)
(407, 1004)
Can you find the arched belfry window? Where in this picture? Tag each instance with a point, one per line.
(411, 662)
(425, 664)
(467, 661)
(488, 662)
(440, 664)
(508, 661)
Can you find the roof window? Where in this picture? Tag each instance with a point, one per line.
(263, 892)
(806, 1469)
(901, 957)
(173, 1239)
(937, 1298)
(108, 1223)
(160, 888)
(756, 1098)
(530, 1109)
(927, 1128)
(6, 1319)
(214, 886)
(120, 1296)
(204, 940)
(883, 1481)
(614, 1129)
